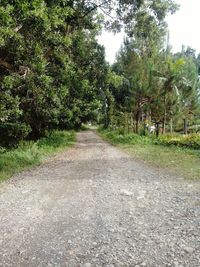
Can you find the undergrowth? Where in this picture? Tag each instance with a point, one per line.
(31, 153)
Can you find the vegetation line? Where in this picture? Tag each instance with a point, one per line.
(29, 154)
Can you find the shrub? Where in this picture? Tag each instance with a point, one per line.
(188, 141)
(131, 138)
(56, 139)
(12, 133)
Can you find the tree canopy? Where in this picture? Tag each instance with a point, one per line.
(53, 72)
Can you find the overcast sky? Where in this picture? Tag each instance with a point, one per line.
(183, 27)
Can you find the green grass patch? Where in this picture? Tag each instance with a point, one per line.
(33, 153)
(174, 158)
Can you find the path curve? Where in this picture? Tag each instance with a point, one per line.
(93, 205)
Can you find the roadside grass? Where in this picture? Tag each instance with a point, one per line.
(29, 154)
(182, 161)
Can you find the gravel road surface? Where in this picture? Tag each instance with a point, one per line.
(93, 205)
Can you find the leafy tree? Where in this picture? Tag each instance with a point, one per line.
(49, 57)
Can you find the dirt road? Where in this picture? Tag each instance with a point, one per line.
(93, 205)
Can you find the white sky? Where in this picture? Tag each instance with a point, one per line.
(183, 28)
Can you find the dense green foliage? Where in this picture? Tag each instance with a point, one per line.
(188, 141)
(118, 137)
(161, 89)
(157, 87)
(12, 133)
(53, 72)
(32, 153)
(48, 59)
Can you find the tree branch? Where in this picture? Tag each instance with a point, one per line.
(18, 28)
(95, 7)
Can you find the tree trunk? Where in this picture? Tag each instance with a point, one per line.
(165, 117)
(137, 118)
(157, 129)
(171, 126)
(132, 122)
(185, 130)
(128, 123)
